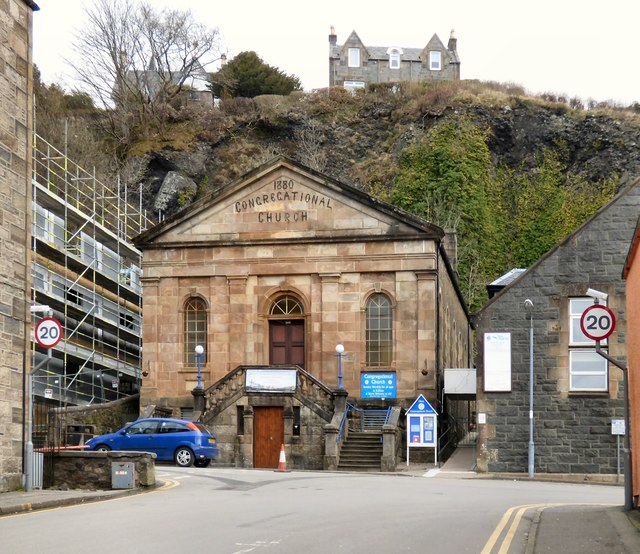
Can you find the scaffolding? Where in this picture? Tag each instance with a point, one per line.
(87, 271)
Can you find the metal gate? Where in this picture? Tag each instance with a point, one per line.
(46, 437)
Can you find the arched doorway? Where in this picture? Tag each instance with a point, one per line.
(286, 332)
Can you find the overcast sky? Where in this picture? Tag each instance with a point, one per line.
(577, 48)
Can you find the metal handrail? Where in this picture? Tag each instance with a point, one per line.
(363, 412)
(344, 420)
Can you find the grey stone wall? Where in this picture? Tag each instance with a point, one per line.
(572, 431)
(93, 470)
(15, 191)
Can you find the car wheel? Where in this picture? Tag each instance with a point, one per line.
(184, 457)
(202, 463)
(102, 448)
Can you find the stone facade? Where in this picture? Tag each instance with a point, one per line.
(285, 231)
(16, 88)
(572, 428)
(354, 65)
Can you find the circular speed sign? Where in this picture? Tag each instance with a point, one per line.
(597, 322)
(48, 332)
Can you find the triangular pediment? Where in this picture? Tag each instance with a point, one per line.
(284, 201)
(354, 41)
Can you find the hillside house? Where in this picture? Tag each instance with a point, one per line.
(354, 65)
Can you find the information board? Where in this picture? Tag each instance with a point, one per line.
(378, 385)
(497, 362)
(422, 426)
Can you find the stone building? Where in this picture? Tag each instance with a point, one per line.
(631, 274)
(16, 124)
(269, 274)
(354, 65)
(577, 394)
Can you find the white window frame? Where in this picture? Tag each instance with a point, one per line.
(600, 370)
(576, 308)
(582, 350)
(353, 57)
(352, 86)
(394, 59)
(435, 60)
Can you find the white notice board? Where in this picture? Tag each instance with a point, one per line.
(497, 362)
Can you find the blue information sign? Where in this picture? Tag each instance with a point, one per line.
(422, 426)
(378, 385)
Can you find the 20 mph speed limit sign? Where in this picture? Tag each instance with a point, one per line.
(597, 322)
(48, 332)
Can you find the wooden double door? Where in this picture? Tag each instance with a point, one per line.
(286, 342)
(268, 435)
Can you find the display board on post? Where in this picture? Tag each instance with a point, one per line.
(422, 427)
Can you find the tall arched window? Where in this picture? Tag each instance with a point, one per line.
(379, 336)
(195, 330)
(394, 58)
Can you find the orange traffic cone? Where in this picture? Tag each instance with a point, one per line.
(282, 461)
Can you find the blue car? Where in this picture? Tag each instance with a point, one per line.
(184, 442)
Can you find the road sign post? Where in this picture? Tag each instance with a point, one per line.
(48, 332)
(597, 323)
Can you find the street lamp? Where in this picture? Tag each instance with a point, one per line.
(340, 351)
(199, 352)
(528, 306)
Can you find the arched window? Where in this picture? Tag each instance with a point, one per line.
(195, 330)
(379, 326)
(394, 59)
(287, 305)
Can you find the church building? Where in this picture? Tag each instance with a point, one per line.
(283, 294)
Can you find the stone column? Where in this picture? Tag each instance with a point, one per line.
(329, 327)
(239, 342)
(331, 430)
(244, 457)
(388, 461)
(198, 402)
(427, 322)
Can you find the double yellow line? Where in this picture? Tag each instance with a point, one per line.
(511, 532)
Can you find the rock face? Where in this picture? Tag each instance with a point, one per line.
(175, 190)
(359, 141)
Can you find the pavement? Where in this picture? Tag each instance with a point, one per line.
(579, 529)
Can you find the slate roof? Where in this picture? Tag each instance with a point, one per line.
(408, 54)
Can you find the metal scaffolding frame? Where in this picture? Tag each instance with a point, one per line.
(85, 268)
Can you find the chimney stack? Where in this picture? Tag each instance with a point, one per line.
(333, 38)
(453, 41)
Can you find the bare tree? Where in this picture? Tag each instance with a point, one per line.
(134, 60)
(310, 137)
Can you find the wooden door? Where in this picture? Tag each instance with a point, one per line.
(268, 435)
(286, 342)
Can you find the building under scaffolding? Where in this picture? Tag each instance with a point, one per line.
(85, 274)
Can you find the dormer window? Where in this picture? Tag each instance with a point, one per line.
(354, 57)
(394, 58)
(435, 60)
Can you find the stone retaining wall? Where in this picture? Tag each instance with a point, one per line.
(92, 470)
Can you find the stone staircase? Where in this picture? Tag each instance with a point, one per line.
(361, 451)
